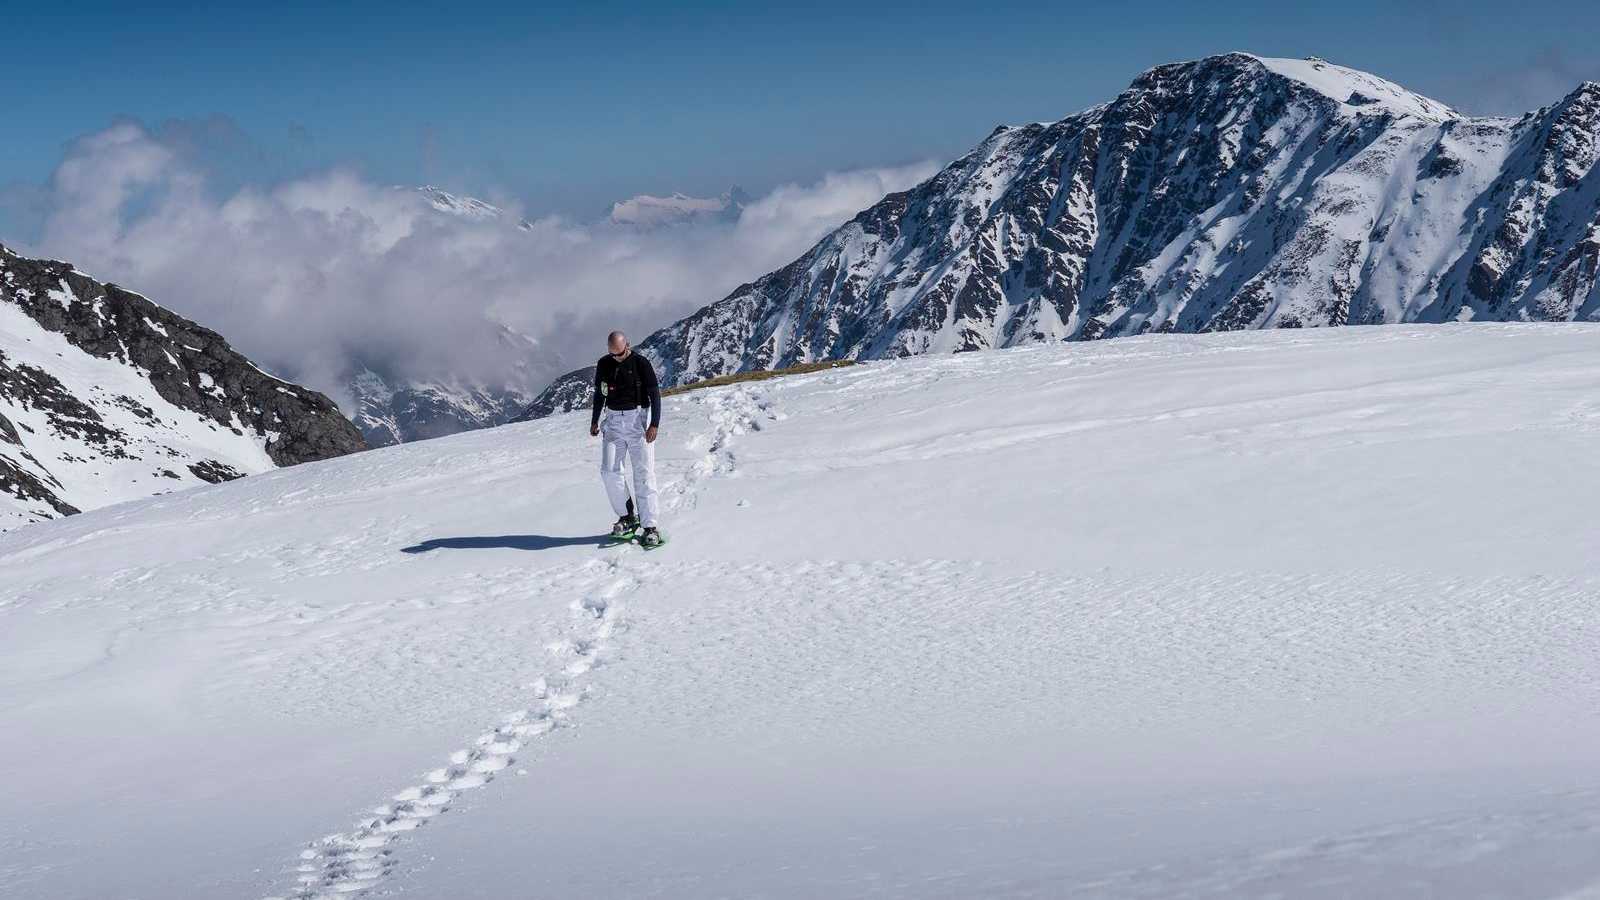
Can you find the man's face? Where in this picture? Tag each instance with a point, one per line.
(617, 346)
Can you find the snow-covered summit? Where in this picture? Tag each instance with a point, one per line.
(470, 208)
(650, 212)
(1355, 88)
(1230, 192)
(466, 207)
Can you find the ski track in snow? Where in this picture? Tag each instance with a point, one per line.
(351, 863)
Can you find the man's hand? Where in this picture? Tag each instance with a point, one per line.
(594, 429)
(650, 435)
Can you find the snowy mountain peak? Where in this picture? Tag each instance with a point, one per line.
(1226, 193)
(648, 212)
(470, 208)
(466, 207)
(1355, 92)
(1586, 94)
(1354, 88)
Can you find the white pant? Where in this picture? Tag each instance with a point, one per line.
(622, 434)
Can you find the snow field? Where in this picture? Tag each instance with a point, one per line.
(1238, 615)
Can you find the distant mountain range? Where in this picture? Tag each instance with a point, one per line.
(393, 409)
(106, 396)
(1231, 192)
(643, 210)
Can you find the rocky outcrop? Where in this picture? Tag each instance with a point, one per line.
(106, 395)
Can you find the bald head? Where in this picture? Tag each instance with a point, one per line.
(617, 343)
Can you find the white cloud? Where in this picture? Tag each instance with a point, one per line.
(316, 274)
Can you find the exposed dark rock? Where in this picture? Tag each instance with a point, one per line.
(178, 369)
(191, 367)
(213, 471)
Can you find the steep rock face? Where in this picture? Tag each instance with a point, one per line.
(106, 396)
(1232, 192)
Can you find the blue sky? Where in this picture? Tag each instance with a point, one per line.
(566, 108)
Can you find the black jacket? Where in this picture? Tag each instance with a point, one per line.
(626, 385)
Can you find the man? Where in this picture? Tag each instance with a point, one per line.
(625, 390)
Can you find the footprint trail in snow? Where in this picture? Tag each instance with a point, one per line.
(733, 413)
(353, 862)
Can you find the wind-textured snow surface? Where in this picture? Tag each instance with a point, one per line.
(1259, 614)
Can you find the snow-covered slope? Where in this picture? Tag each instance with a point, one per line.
(1351, 87)
(105, 396)
(1291, 613)
(1232, 192)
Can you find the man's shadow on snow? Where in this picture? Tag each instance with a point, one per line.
(506, 542)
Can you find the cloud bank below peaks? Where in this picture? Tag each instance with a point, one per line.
(322, 275)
